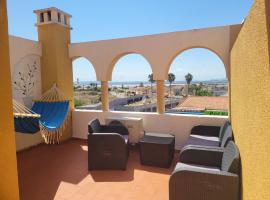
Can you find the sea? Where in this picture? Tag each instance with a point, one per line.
(146, 83)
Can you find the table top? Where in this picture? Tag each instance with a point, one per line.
(158, 138)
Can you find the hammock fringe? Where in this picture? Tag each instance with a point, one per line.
(53, 137)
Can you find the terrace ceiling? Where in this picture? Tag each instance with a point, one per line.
(159, 50)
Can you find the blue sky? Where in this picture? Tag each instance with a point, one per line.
(99, 19)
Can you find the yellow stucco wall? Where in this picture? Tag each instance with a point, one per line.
(8, 166)
(250, 101)
(56, 66)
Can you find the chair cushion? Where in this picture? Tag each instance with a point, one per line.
(193, 167)
(203, 140)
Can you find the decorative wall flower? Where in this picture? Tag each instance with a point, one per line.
(25, 80)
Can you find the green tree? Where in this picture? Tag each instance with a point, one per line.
(177, 93)
(188, 78)
(203, 92)
(151, 80)
(198, 90)
(171, 79)
(194, 89)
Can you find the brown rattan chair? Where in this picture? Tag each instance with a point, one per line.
(214, 136)
(107, 146)
(211, 175)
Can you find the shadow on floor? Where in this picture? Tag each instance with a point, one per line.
(44, 168)
(128, 174)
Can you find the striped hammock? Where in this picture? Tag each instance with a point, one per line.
(53, 108)
(50, 113)
(25, 120)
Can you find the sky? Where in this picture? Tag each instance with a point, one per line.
(103, 19)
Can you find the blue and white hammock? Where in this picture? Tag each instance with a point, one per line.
(50, 113)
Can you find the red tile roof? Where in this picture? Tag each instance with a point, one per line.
(198, 103)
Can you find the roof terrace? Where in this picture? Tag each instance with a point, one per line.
(66, 176)
(67, 153)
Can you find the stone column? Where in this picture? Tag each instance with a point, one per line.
(105, 95)
(160, 97)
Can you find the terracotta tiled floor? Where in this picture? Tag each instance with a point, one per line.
(60, 172)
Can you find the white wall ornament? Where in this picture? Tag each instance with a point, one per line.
(26, 78)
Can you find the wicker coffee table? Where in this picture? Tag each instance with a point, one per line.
(157, 149)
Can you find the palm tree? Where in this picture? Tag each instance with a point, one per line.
(171, 79)
(151, 80)
(188, 78)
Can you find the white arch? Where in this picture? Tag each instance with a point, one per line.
(159, 49)
(89, 63)
(119, 57)
(198, 47)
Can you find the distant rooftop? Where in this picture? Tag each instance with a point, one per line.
(197, 103)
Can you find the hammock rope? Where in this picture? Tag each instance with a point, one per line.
(53, 95)
(20, 110)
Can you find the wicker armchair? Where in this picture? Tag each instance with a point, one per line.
(212, 175)
(107, 146)
(210, 135)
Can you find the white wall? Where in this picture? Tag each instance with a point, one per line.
(28, 64)
(24, 141)
(20, 47)
(25, 53)
(159, 49)
(179, 125)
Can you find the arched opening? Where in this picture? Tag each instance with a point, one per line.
(132, 87)
(197, 84)
(87, 91)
